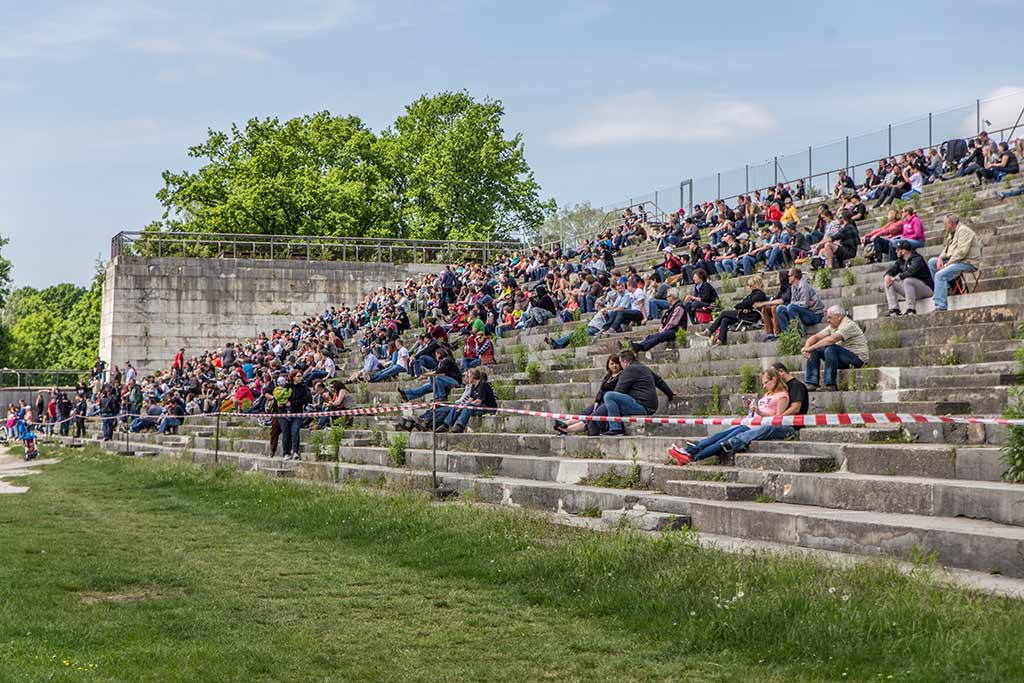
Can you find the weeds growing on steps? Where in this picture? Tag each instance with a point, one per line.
(681, 337)
(396, 449)
(1012, 451)
(579, 337)
(748, 379)
(532, 372)
(792, 340)
(520, 357)
(823, 278)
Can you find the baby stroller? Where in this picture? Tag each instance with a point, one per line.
(952, 152)
(23, 432)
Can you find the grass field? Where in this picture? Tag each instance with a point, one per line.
(114, 569)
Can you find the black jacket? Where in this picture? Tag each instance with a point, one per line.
(299, 398)
(705, 292)
(754, 297)
(914, 267)
(642, 384)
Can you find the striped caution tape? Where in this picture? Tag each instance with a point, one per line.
(813, 420)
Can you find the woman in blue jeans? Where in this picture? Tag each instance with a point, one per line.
(772, 402)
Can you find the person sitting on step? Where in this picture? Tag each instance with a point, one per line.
(635, 393)
(480, 401)
(613, 367)
(744, 311)
(703, 296)
(671, 319)
(804, 303)
(774, 401)
(909, 278)
(960, 253)
(841, 345)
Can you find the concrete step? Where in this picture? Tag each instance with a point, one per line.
(713, 490)
(998, 502)
(645, 520)
(785, 462)
(969, 544)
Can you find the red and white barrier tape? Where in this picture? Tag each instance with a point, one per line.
(813, 420)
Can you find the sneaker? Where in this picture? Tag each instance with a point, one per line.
(771, 337)
(831, 387)
(910, 311)
(894, 313)
(560, 428)
(547, 340)
(812, 387)
(727, 448)
(619, 432)
(680, 456)
(401, 392)
(457, 429)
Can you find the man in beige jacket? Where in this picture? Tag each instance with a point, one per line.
(960, 253)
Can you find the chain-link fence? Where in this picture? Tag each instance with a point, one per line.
(1002, 116)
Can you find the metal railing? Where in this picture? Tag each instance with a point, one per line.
(44, 377)
(308, 248)
(818, 166)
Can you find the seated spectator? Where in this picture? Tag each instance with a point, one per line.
(439, 381)
(595, 326)
(671, 319)
(744, 311)
(841, 246)
(997, 168)
(804, 303)
(370, 367)
(149, 418)
(703, 296)
(397, 363)
(657, 296)
(841, 345)
(635, 311)
(960, 253)
(479, 351)
(915, 180)
(613, 367)
(340, 399)
(909, 277)
(541, 308)
(876, 242)
(481, 401)
(774, 401)
(635, 393)
(844, 186)
(769, 309)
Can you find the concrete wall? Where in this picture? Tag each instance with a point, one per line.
(153, 306)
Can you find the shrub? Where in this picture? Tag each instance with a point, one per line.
(579, 336)
(823, 278)
(792, 340)
(748, 379)
(396, 449)
(316, 442)
(681, 337)
(377, 437)
(1000, 271)
(1012, 451)
(727, 286)
(520, 357)
(849, 277)
(363, 393)
(716, 400)
(336, 436)
(533, 372)
(888, 336)
(966, 204)
(504, 389)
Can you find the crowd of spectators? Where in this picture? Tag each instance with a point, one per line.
(463, 309)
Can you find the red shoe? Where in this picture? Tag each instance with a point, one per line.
(679, 455)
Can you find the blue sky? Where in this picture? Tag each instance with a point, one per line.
(613, 99)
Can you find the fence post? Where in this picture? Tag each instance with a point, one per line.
(719, 185)
(682, 197)
(977, 115)
(746, 177)
(433, 435)
(890, 140)
(657, 207)
(775, 166)
(216, 439)
(847, 166)
(929, 129)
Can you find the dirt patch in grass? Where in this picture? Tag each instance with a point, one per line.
(128, 596)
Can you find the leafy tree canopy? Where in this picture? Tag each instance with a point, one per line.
(445, 170)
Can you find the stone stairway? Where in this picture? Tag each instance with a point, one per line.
(894, 490)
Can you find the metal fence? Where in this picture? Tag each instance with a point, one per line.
(819, 166)
(15, 377)
(308, 248)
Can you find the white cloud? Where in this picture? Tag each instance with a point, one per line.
(642, 116)
(172, 32)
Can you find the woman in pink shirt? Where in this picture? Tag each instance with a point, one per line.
(912, 231)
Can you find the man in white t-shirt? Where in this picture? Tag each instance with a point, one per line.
(637, 311)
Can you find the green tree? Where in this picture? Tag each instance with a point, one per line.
(313, 175)
(457, 173)
(78, 335)
(5, 273)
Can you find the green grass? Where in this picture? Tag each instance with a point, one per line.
(243, 578)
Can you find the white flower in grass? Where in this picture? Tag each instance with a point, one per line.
(832, 590)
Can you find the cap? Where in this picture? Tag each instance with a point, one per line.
(905, 245)
(667, 250)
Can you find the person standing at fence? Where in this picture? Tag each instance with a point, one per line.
(110, 406)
